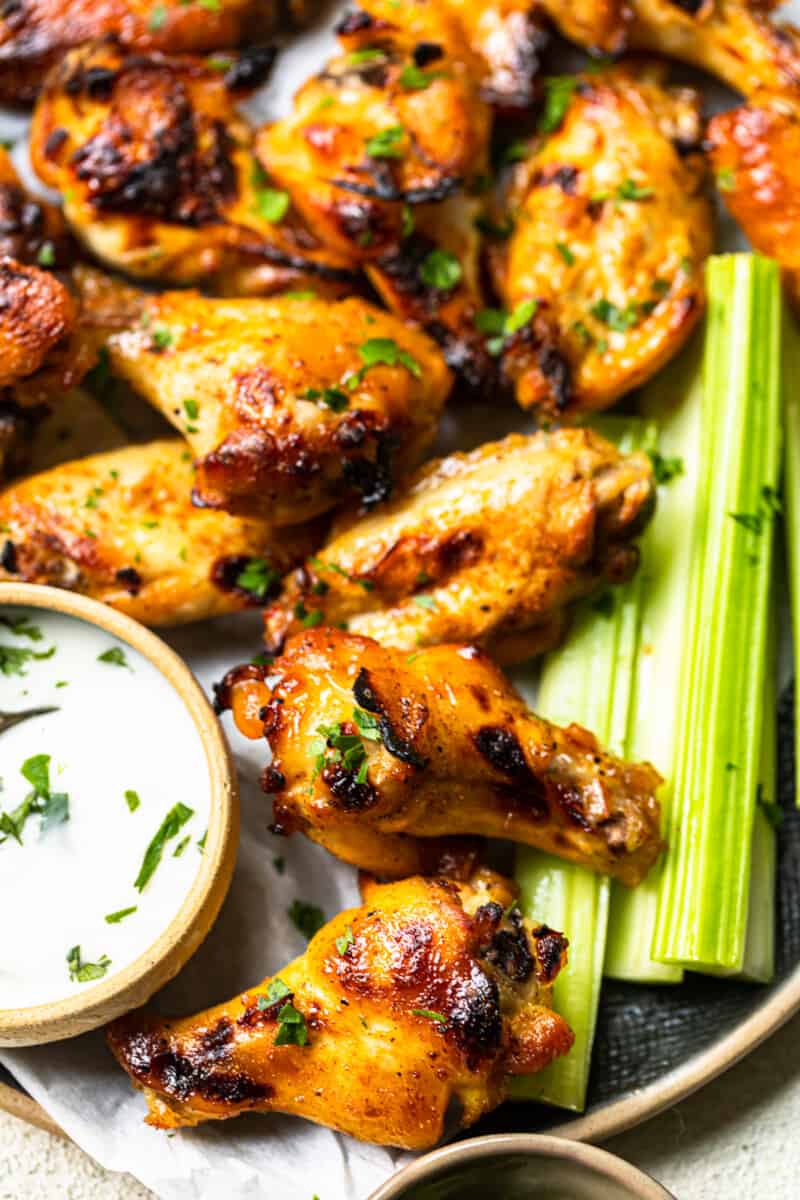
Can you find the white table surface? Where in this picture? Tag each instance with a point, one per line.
(736, 1139)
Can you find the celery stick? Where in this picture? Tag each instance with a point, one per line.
(587, 680)
(673, 401)
(702, 910)
(791, 410)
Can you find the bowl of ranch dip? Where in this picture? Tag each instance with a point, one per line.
(118, 814)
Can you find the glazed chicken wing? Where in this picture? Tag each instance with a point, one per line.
(374, 750)
(755, 153)
(158, 176)
(37, 316)
(290, 405)
(120, 527)
(36, 34)
(487, 547)
(603, 272)
(432, 991)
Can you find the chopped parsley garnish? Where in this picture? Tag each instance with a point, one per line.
(368, 54)
(169, 828)
(132, 800)
(385, 351)
(292, 1028)
(558, 92)
(120, 915)
(346, 940)
(440, 269)
(565, 252)
(425, 601)
(22, 627)
(514, 152)
(726, 179)
(258, 578)
(430, 1014)
(629, 189)
(500, 325)
(665, 468)
(276, 990)
(309, 618)
(52, 807)
(271, 204)
(192, 409)
(299, 294)
(618, 319)
(308, 918)
(201, 842)
(407, 220)
(368, 724)
(85, 972)
(158, 18)
(181, 846)
(414, 79)
(14, 658)
(386, 143)
(161, 339)
(332, 743)
(219, 62)
(211, 5)
(115, 656)
(47, 255)
(319, 565)
(332, 397)
(494, 230)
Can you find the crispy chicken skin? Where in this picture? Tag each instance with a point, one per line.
(487, 547)
(31, 230)
(37, 315)
(450, 749)
(436, 991)
(36, 34)
(158, 176)
(755, 153)
(120, 527)
(612, 231)
(277, 400)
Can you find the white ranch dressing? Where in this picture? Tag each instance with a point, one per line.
(118, 728)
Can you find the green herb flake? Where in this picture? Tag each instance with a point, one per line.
(161, 339)
(441, 270)
(493, 229)
(726, 179)
(430, 1014)
(47, 255)
(414, 79)
(158, 18)
(201, 842)
(629, 189)
(132, 800)
(386, 143)
(565, 252)
(558, 92)
(85, 972)
(407, 221)
(169, 828)
(120, 915)
(618, 319)
(345, 941)
(276, 990)
(115, 657)
(665, 469)
(192, 409)
(271, 204)
(308, 918)
(332, 397)
(181, 846)
(20, 626)
(13, 659)
(425, 601)
(368, 54)
(258, 578)
(292, 1028)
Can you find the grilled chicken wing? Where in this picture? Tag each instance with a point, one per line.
(31, 231)
(158, 176)
(373, 749)
(37, 316)
(432, 991)
(120, 527)
(290, 405)
(755, 153)
(736, 40)
(603, 273)
(36, 34)
(486, 547)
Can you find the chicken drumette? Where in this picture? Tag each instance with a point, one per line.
(120, 527)
(487, 547)
(373, 751)
(432, 991)
(603, 273)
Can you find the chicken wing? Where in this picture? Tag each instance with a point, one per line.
(736, 40)
(291, 405)
(37, 316)
(158, 175)
(374, 750)
(120, 527)
(755, 153)
(603, 273)
(431, 991)
(487, 547)
(36, 34)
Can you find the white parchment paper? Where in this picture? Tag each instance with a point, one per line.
(78, 1082)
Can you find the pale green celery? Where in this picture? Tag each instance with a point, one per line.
(791, 491)
(673, 401)
(702, 910)
(588, 681)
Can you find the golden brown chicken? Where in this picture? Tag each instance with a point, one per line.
(602, 276)
(120, 527)
(291, 405)
(37, 316)
(755, 153)
(487, 547)
(31, 231)
(431, 991)
(158, 175)
(374, 750)
(36, 34)
(736, 40)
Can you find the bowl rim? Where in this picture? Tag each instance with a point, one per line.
(184, 932)
(640, 1185)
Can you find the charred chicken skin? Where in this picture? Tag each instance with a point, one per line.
(374, 750)
(290, 405)
(36, 34)
(432, 991)
(158, 175)
(755, 153)
(487, 547)
(603, 272)
(120, 527)
(736, 40)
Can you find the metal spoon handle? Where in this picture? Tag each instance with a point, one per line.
(9, 719)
